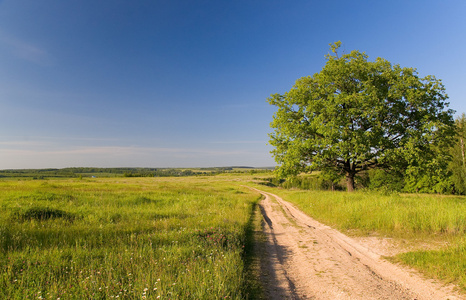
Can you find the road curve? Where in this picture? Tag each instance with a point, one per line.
(309, 260)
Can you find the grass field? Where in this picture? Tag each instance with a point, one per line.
(188, 237)
(127, 238)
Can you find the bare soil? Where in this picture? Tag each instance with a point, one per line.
(309, 260)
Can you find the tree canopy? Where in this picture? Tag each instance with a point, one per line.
(357, 114)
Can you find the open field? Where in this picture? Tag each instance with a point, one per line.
(185, 237)
(178, 238)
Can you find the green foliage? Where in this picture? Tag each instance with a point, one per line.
(458, 162)
(427, 162)
(355, 115)
(385, 180)
(304, 182)
(330, 179)
(429, 176)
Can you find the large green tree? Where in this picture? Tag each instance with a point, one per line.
(356, 114)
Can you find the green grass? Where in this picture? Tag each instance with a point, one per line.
(393, 215)
(127, 238)
(189, 237)
(449, 264)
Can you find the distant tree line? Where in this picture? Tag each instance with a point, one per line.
(79, 172)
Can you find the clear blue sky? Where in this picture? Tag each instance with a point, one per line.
(184, 83)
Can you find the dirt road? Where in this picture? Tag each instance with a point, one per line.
(308, 260)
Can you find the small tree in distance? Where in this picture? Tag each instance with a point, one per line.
(355, 114)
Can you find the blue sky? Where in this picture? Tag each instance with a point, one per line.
(184, 83)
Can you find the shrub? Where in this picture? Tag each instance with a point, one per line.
(45, 213)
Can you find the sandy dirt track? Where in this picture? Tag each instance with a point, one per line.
(309, 260)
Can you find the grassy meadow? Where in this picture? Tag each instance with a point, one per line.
(412, 218)
(127, 238)
(190, 237)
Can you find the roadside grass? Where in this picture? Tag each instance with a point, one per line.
(129, 238)
(403, 216)
(448, 264)
(254, 258)
(412, 218)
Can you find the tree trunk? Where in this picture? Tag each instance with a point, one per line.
(350, 181)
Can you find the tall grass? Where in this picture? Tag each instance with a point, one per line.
(447, 264)
(391, 215)
(126, 238)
